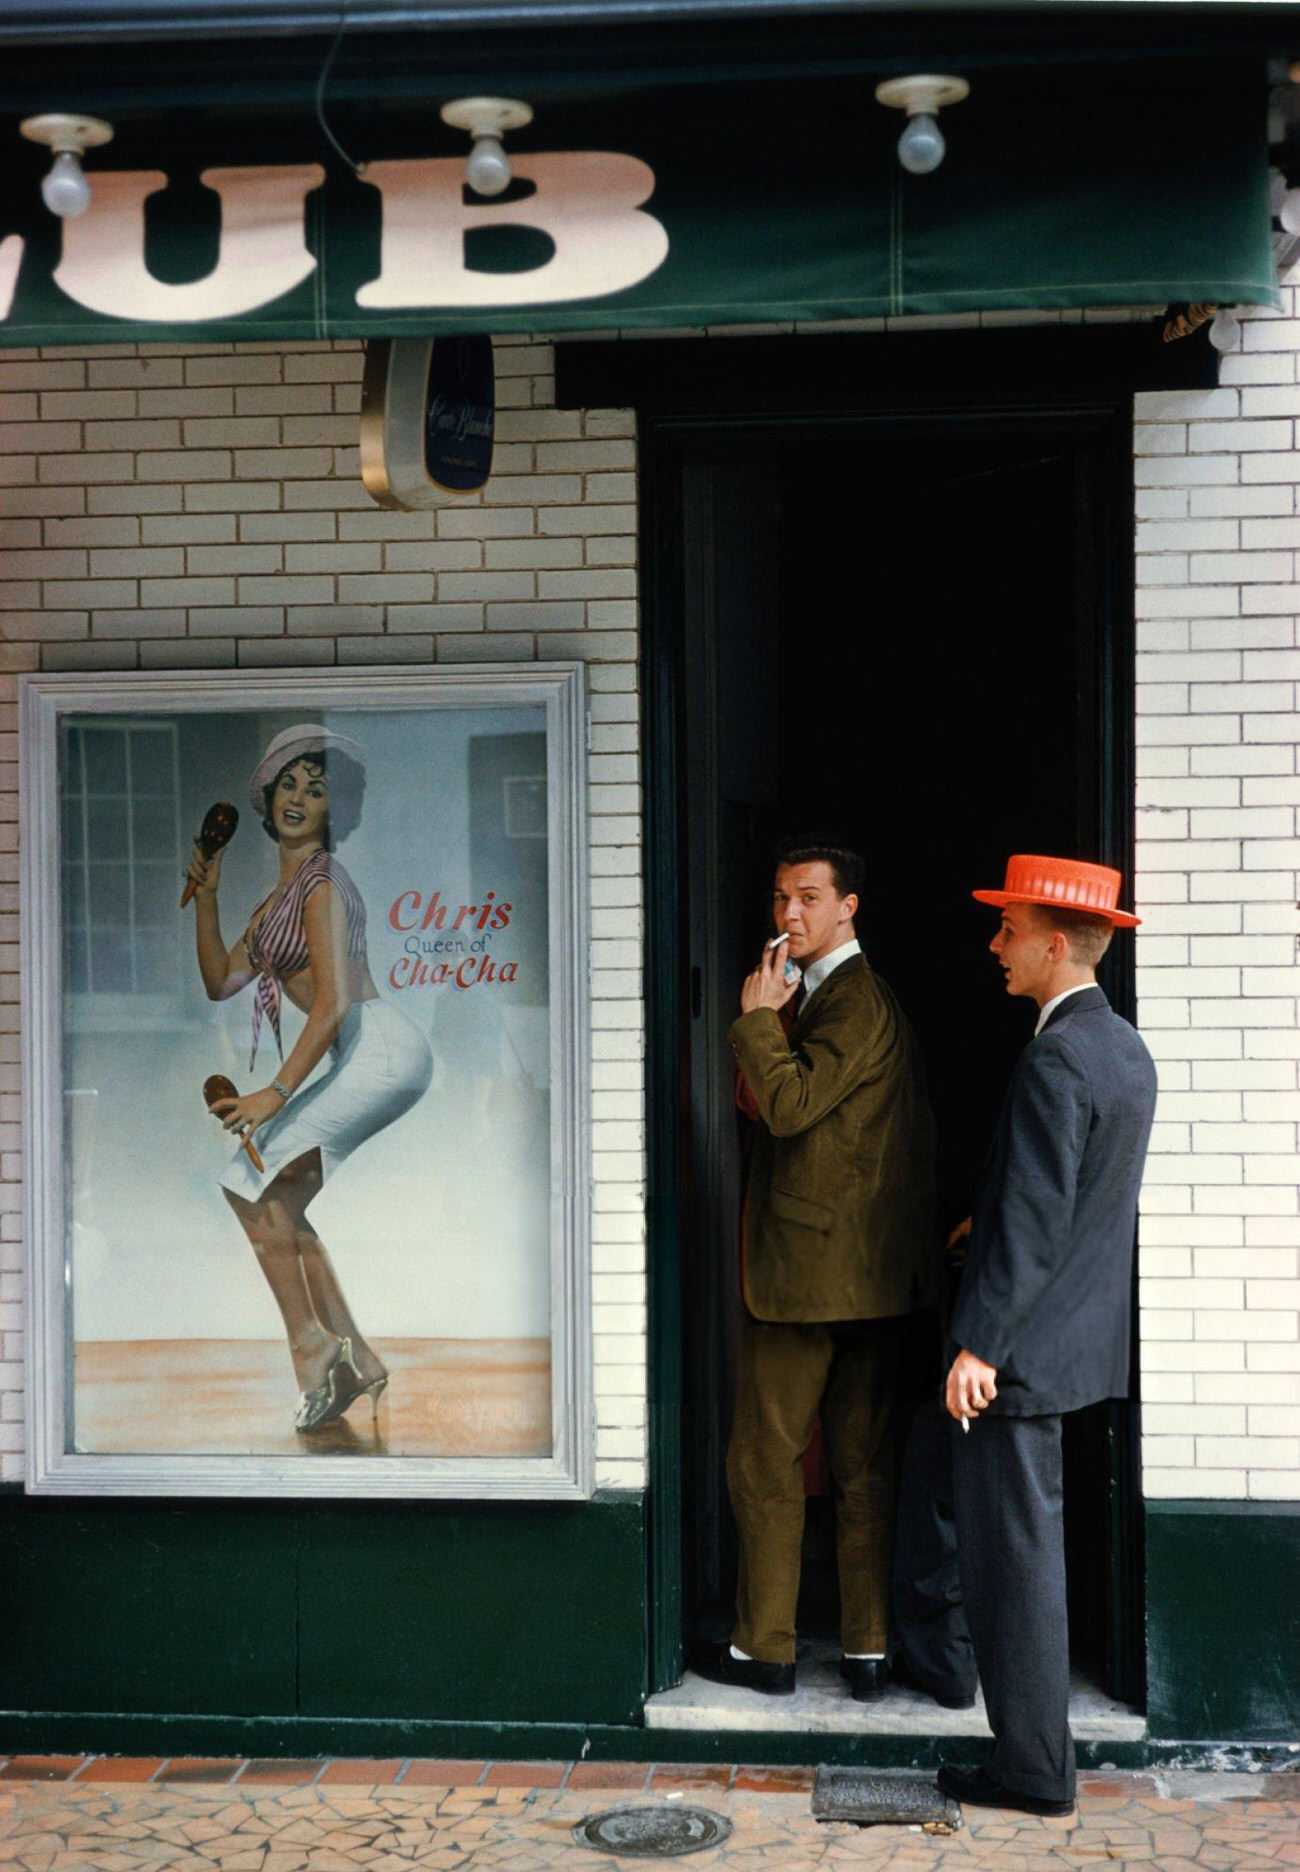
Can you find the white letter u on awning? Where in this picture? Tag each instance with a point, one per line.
(262, 253)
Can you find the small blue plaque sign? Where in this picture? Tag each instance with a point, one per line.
(460, 413)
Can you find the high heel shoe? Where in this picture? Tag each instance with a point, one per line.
(374, 1391)
(324, 1402)
(352, 1386)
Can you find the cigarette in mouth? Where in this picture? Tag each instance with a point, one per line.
(783, 937)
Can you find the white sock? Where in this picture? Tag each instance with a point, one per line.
(866, 1656)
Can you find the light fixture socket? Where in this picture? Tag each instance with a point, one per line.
(923, 94)
(487, 116)
(66, 131)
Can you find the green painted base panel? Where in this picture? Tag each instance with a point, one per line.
(1223, 1621)
(518, 1630)
(328, 1619)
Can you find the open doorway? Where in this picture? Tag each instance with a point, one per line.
(911, 635)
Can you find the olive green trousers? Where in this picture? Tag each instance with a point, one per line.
(850, 1372)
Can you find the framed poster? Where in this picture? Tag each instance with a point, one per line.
(306, 1176)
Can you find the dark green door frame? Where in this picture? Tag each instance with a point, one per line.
(1105, 809)
(666, 1010)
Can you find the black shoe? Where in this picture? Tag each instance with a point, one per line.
(974, 1787)
(715, 1662)
(865, 1676)
(902, 1673)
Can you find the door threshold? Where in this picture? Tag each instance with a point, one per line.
(821, 1705)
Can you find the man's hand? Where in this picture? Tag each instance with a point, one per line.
(957, 1242)
(972, 1386)
(767, 986)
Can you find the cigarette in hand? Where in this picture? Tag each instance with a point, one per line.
(775, 940)
(965, 1424)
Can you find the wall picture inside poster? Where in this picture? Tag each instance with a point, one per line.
(316, 1214)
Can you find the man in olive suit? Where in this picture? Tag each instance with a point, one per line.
(1041, 1323)
(839, 1244)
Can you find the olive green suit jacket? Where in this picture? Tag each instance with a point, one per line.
(840, 1213)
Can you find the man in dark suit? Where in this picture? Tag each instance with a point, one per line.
(1041, 1323)
(839, 1243)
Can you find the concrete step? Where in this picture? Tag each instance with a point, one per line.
(821, 1705)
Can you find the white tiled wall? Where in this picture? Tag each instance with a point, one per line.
(1218, 539)
(173, 507)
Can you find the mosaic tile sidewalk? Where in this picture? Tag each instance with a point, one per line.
(105, 1814)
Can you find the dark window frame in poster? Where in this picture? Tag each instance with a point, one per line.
(165, 1354)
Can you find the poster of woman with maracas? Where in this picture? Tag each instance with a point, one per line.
(387, 897)
(306, 940)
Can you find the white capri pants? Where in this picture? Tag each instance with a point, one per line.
(380, 1064)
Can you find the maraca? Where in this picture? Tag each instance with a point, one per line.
(218, 829)
(219, 1087)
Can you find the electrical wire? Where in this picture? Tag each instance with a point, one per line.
(323, 80)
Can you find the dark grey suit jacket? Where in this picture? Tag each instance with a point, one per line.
(1046, 1291)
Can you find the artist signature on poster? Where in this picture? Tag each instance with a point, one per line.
(460, 960)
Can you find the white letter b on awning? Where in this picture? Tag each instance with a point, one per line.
(589, 202)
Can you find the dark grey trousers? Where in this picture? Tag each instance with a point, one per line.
(1008, 1510)
(929, 1620)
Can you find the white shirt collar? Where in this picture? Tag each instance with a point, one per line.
(1050, 1007)
(816, 972)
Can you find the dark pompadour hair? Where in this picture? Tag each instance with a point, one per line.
(347, 784)
(847, 866)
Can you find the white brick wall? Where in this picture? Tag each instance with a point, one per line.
(182, 507)
(1218, 858)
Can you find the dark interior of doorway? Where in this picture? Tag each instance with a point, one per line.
(901, 638)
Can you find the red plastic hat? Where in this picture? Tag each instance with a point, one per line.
(1067, 882)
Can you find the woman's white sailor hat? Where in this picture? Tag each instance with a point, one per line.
(293, 744)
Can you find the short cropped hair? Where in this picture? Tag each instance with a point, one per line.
(1087, 937)
(347, 784)
(848, 868)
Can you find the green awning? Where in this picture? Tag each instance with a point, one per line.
(705, 206)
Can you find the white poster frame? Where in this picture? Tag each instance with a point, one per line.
(53, 1468)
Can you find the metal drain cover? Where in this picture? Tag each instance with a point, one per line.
(652, 1832)
(869, 1798)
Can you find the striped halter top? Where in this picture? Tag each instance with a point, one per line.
(277, 942)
